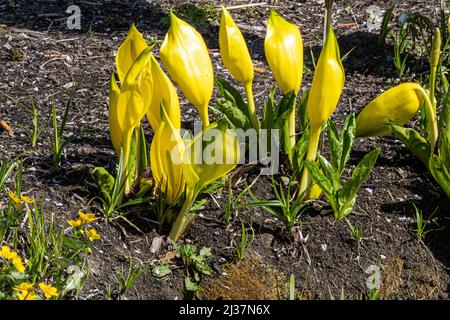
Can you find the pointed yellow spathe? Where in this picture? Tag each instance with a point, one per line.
(186, 58)
(115, 122)
(166, 155)
(137, 91)
(201, 170)
(129, 51)
(326, 89)
(163, 92)
(134, 100)
(398, 104)
(236, 58)
(328, 82)
(283, 47)
(233, 49)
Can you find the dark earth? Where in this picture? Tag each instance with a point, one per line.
(41, 59)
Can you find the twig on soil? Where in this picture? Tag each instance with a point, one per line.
(260, 4)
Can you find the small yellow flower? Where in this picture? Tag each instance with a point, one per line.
(48, 290)
(87, 217)
(25, 295)
(27, 199)
(24, 286)
(92, 234)
(74, 223)
(14, 198)
(18, 264)
(7, 253)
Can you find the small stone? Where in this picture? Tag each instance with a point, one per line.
(156, 244)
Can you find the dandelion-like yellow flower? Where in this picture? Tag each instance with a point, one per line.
(92, 234)
(25, 295)
(27, 199)
(48, 290)
(86, 217)
(14, 198)
(74, 223)
(7, 253)
(24, 286)
(18, 264)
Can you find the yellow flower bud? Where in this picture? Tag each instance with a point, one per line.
(233, 49)
(133, 102)
(398, 104)
(236, 58)
(326, 89)
(328, 82)
(283, 47)
(129, 51)
(165, 92)
(166, 154)
(186, 58)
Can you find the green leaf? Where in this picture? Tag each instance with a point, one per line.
(329, 172)
(198, 205)
(72, 243)
(347, 195)
(142, 150)
(162, 270)
(441, 173)
(18, 276)
(417, 144)
(205, 252)
(228, 92)
(234, 115)
(323, 182)
(299, 152)
(190, 285)
(335, 145)
(444, 129)
(347, 138)
(267, 120)
(103, 179)
(63, 262)
(284, 109)
(302, 113)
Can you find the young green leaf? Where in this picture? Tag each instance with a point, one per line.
(418, 145)
(347, 195)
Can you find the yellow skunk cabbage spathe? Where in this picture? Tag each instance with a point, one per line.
(283, 47)
(204, 162)
(236, 58)
(233, 49)
(326, 89)
(186, 58)
(129, 51)
(328, 82)
(399, 104)
(217, 159)
(166, 155)
(163, 92)
(133, 102)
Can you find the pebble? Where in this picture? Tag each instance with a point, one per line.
(324, 247)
